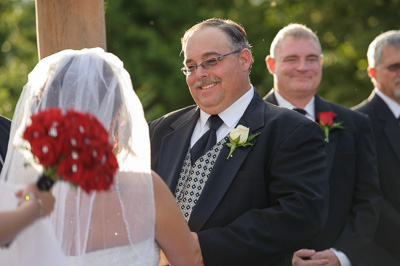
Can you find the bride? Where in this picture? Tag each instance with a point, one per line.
(123, 226)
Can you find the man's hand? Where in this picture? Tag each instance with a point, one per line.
(306, 257)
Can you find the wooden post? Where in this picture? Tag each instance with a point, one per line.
(69, 24)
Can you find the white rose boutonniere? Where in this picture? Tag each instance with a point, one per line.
(239, 137)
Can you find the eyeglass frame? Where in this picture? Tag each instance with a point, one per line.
(185, 69)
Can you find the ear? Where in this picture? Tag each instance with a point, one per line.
(371, 72)
(270, 62)
(245, 59)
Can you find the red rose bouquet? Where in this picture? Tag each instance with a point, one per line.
(325, 120)
(73, 147)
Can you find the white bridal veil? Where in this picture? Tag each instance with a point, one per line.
(103, 228)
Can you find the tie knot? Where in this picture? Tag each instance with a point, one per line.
(300, 111)
(215, 122)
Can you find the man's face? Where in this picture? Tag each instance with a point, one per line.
(297, 67)
(387, 74)
(216, 88)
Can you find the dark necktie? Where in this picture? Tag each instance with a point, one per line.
(300, 111)
(208, 140)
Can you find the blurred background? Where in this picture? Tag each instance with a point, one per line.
(145, 35)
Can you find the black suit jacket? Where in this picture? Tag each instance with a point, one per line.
(5, 125)
(353, 182)
(264, 202)
(387, 143)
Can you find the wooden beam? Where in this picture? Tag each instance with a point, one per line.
(69, 24)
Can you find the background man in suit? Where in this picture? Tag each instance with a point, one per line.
(383, 109)
(295, 61)
(265, 201)
(5, 125)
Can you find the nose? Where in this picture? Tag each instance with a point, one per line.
(201, 72)
(302, 66)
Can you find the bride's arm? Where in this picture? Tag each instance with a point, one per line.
(38, 204)
(172, 233)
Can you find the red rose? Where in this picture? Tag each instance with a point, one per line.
(71, 170)
(34, 131)
(45, 149)
(111, 164)
(326, 118)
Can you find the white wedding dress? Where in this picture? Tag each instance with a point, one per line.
(104, 228)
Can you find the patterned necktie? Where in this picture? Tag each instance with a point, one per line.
(300, 111)
(208, 140)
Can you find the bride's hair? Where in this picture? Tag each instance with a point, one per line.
(118, 123)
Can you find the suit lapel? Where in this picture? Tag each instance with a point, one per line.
(390, 124)
(176, 143)
(323, 106)
(270, 98)
(224, 170)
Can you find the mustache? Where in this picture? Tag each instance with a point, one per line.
(206, 81)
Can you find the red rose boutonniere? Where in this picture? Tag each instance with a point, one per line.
(73, 147)
(325, 120)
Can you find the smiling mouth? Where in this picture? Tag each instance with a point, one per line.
(207, 86)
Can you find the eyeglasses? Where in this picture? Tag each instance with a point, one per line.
(207, 64)
(393, 68)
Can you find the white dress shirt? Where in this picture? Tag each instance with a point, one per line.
(309, 107)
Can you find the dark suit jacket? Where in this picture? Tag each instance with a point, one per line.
(5, 125)
(387, 143)
(353, 182)
(264, 202)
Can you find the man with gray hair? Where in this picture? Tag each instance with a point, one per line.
(383, 109)
(256, 193)
(295, 61)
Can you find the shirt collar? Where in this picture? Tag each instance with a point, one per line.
(284, 103)
(392, 104)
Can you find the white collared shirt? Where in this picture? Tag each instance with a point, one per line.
(309, 107)
(230, 116)
(392, 104)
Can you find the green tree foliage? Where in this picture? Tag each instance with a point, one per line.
(18, 51)
(146, 34)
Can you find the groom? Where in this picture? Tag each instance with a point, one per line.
(5, 125)
(266, 200)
